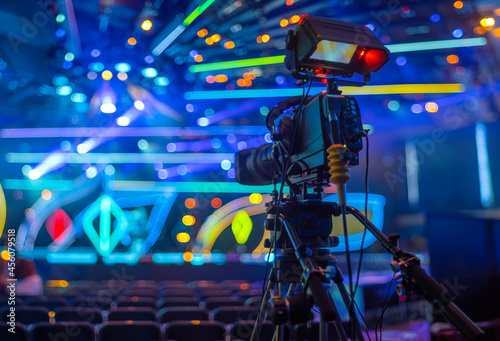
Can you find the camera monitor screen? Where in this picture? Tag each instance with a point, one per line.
(333, 51)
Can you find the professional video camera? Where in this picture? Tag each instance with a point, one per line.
(315, 139)
(304, 128)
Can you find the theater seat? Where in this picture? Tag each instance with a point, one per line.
(234, 314)
(195, 331)
(84, 314)
(132, 313)
(28, 315)
(242, 330)
(129, 331)
(68, 331)
(177, 302)
(214, 302)
(182, 314)
(50, 302)
(21, 332)
(136, 301)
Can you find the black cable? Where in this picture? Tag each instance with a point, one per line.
(364, 320)
(383, 310)
(366, 213)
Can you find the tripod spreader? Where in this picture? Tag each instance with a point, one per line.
(415, 279)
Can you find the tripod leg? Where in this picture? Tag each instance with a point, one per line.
(350, 307)
(337, 323)
(271, 282)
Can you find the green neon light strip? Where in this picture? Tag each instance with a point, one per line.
(105, 158)
(72, 258)
(394, 48)
(197, 12)
(346, 90)
(189, 187)
(437, 45)
(237, 64)
(54, 185)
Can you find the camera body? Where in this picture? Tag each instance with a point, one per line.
(326, 119)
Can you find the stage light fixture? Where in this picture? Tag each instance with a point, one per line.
(321, 47)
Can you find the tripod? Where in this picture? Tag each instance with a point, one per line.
(304, 260)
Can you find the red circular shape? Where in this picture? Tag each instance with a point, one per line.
(216, 203)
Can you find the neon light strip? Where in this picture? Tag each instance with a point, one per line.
(197, 12)
(131, 132)
(168, 258)
(483, 162)
(54, 185)
(234, 64)
(412, 174)
(73, 258)
(3, 210)
(188, 187)
(437, 45)
(346, 90)
(168, 40)
(121, 258)
(394, 48)
(106, 158)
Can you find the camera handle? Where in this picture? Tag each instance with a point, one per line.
(415, 279)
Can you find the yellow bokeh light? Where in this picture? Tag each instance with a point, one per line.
(295, 19)
(107, 75)
(431, 107)
(255, 198)
(52, 314)
(458, 4)
(63, 283)
(209, 41)
(487, 22)
(452, 59)
(496, 32)
(5, 255)
(195, 322)
(146, 25)
(188, 220)
(229, 45)
(188, 256)
(265, 38)
(183, 237)
(198, 58)
(215, 38)
(122, 76)
(46, 194)
(132, 41)
(283, 23)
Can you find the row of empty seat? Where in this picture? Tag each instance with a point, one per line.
(136, 331)
(33, 314)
